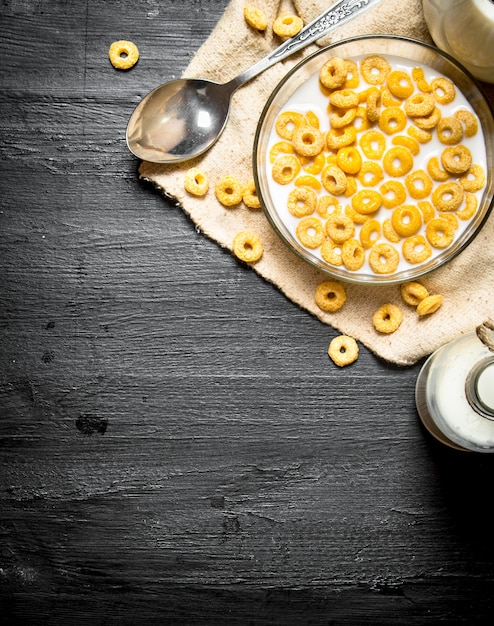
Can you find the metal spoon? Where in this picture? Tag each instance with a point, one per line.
(184, 118)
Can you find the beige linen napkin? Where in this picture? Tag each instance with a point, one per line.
(467, 283)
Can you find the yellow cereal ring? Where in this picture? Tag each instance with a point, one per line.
(340, 227)
(344, 99)
(196, 182)
(123, 54)
(285, 169)
(250, 197)
(407, 142)
(435, 172)
(333, 73)
(307, 180)
(331, 252)
(247, 247)
(280, 148)
(474, 179)
(468, 211)
(351, 186)
(406, 220)
(229, 191)
(330, 296)
(373, 104)
(429, 305)
(448, 196)
(469, 120)
(342, 117)
(370, 174)
(384, 258)
(343, 350)
(352, 80)
(400, 84)
(307, 140)
(418, 184)
(370, 233)
(419, 105)
(366, 201)
(457, 159)
(393, 194)
(375, 69)
(419, 78)
(339, 137)
(310, 232)
(315, 165)
(392, 120)
(334, 179)
(361, 121)
(421, 135)
(450, 131)
(443, 89)
(353, 254)
(358, 218)
(287, 25)
(439, 232)
(452, 219)
(387, 98)
(413, 292)
(428, 122)
(387, 318)
(255, 18)
(327, 205)
(389, 232)
(373, 144)
(415, 249)
(427, 210)
(302, 201)
(287, 122)
(349, 160)
(398, 161)
(312, 119)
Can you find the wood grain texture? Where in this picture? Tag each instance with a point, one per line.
(175, 446)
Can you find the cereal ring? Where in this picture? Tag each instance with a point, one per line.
(352, 80)
(419, 105)
(370, 233)
(361, 121)
(307, 141)
(419, 77)
(353, 254)
(123, 54)
(392, 120)
(325, 203)
(307, 180)
(457, 159)
(344, 99)
(393, 194)
(400, 84)
(255, 18)
(452, 219)
(387, 318)
(333, 73)
(339, 137)
(470, 121)
(287, 122)
(443, 89)
(351, 186)
(435, 172)
(387, 98)
(373, 104)
(301, 202)
(474, 179)
(342, 117)
(247, 247)
(448, 196)
(418, 184)
(389, 232)
(413, 293)
(281, 147)
(287, 25)
(468, 211)
(429, 305)
(366, 201)
(349, 160)
(312, 119)
(450, 131)
(250, 197)
(340, 227)
(398, 161)
(439, 232)
(422, 136)
(384, 258)
(316, 164)
(196, 182)
(406, 142)
(358, 218)
(406, 220)
(331, 253)
(343, 350)
(375, 69)
(310, 232)
(416, 249)
(334, 179)
(285, 169)
(373, 144)
(370, 174)
(428, 122)
(330, 296)
(427, 210)
(229, 191)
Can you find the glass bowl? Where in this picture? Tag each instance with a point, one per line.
(303, 79)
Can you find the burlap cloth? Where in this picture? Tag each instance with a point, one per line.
(467, 283)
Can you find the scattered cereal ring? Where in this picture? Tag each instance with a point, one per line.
(387, 318)
(448, 196)
(301, 202)
(334, 179)
(340, 227)
(349, 160)
(331, 252)
(468, 211)
(307, 180)
(247, 247)
(307, 140)
(406, 220)
(418, 184)
(419, 105)
(450, 131)
(384, 258)
(310, 232)
(343, 350)
(429, 305)
(421, 135)
(398, 161)
(250, 197)
(452, 219)
(352, 80)
(285, 169)
(351, 186)
(389, 232)
(353, 254)
(427, 210)
(457, 159)
(413, 292)
(123, 54)
(370, 233)
(392, 120)
(255, 18)
(327, 205)
(469, 120)
(373, 104)
(428, 122)
(419, 77)
(387, 98)
(474, 179)
(312, 119)
(373, 144)
(330, 296)
(416, 249)
(315, 165)
(439, 233)
(434, 170)
(287, 122)
(400, 84)
(370, 174)
(366, 201)
(361, 121)
(339, 137)
(358, 218)
(393, 194)
(443, 89)
(344, 99)
(333, 73)
(287, 25)
(196, 182)
(406, 142)
(281, 147)
(375, 69)
(342, 117)
(229, 191)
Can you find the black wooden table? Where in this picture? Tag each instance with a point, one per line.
(176, 447)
